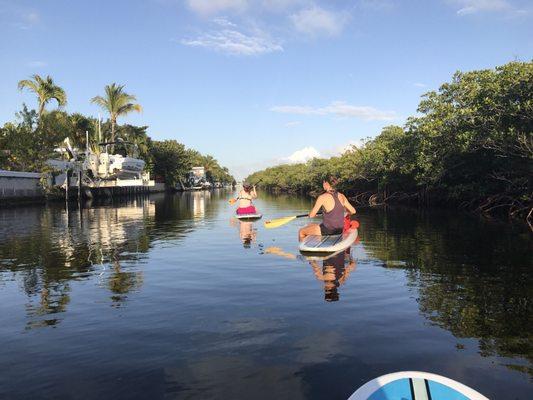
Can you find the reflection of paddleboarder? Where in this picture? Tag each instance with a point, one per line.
(247, 233)
(333, 273)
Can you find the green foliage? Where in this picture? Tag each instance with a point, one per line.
(45, 89)
(170, 160)
(471, 143)
(27, 143)
(117, 103)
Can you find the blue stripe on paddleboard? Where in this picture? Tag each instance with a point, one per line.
(442, 392)
(397, 390)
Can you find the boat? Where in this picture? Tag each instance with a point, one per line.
(324, 244)
(104, 165)
(415, 385)
(100, 165)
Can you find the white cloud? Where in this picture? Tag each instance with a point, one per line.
(475, 6)
(341, 109)
(420, 85)
(224, 22)
(341, 149)
(290, 124)
(211, 7)
(350, 146)
(303, 155)
(317, 21)
(231, 41)
(300, 156)
(36, 64)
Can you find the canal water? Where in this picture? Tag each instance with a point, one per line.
(168, 297)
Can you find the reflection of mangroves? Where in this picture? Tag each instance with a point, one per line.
(473, 278)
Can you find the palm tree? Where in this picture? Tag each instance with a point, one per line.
(45, 89)
(209, 163)
(117, 103)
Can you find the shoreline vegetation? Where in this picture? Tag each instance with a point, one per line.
(470, 146)
(29, 141)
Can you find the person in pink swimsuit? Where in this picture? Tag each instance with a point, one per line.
(334, 204)
(245, 198)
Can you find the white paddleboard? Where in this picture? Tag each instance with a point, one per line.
(415, 385)
(318, 256)
(248, 216)
(328, 243)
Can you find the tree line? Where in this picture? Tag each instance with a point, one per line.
(470, 145)
(29, 141)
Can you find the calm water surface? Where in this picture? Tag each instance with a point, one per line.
(167, 297)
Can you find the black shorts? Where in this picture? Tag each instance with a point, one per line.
(327, 231)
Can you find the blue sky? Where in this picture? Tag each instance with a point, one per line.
(257, 82)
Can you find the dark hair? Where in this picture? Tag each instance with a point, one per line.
(247, 187)
(332, 180)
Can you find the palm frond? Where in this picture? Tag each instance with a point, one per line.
(45, 89)
(116, 102)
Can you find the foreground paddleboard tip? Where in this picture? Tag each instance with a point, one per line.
(415, 385)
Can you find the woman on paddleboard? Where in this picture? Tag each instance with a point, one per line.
(245, 198)
(334, 205)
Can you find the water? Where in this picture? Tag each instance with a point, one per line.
(166, 297)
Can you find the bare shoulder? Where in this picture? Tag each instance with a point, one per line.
(321, 197)
(342, 197)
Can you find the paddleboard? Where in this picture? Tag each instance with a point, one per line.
(415, 385)
(318, 256)
(328, 243)
(248, 216)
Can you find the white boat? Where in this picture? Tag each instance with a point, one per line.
(100, 165)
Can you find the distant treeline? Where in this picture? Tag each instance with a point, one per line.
(28, 141)
(471, 145)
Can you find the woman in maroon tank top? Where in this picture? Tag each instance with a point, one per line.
(334, 204)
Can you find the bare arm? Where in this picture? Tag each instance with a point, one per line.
(316, 208)
(347, 204)
(254, 193)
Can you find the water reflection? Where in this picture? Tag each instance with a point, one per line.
(199, 316)
(49, 248)
(333, 271)
(247, 232)
(473, 277)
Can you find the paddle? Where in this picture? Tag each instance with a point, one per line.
(276, 223)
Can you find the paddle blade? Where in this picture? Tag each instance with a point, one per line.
(232, 201)
(275, 223)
